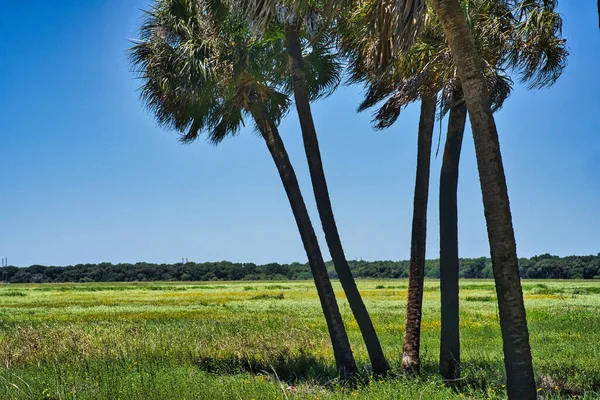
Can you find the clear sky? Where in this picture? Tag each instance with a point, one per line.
(87, 176)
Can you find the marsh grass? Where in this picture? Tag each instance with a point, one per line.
(267, 296)
(480, 298)
(267, 340)
(13, 293)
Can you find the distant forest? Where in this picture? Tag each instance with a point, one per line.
(544, 266)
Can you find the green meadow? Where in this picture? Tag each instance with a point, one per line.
(268, 340)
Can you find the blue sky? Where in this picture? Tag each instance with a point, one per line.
(87, 176)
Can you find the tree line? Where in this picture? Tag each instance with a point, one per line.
(544, 266)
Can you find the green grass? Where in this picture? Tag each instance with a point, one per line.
(12, 293)
(268, 340)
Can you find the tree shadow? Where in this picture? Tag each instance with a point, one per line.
(290, 368)
(478, 375)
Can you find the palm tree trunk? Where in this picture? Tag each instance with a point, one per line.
(450, 338)
(412, 330)
(321, 193)
(513, 322)
(337, 332)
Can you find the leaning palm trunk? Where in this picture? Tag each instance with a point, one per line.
(513, 322)
(319, 183)
(412, 330)
(450, 339)
(339, 339)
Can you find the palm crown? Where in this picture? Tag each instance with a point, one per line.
(522, 37)
(201, 68)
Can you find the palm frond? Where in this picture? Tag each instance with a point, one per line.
(164, 59)
(450, 96)
(231, 118)
(262, 13)
(376, 92)
(499, 88)
(539, 53)
(406, 92)
(323, 68)
(395, 24)
(375, 32)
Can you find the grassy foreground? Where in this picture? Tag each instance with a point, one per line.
(268, 340)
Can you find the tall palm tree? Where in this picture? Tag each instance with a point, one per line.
(294, 21)
(409, 77)
(448, 208)
(513, 321)
(324, 207)
(412, 330)
(202, 70)
(490, 23)
(530, 45)
(449, 365)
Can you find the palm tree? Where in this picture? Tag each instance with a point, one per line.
(513, 321)
(324, 207)
(327, 74)
(449, 365)
(412, 330)
(490, 23)
(530, 45)
(203, 71)
(448, 208)
(409, 77)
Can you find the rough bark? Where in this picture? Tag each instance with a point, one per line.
(321, 193)
(513, 322)
(414, 305)
(450, 337)
(341, 346)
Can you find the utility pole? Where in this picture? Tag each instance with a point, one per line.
(4, 275)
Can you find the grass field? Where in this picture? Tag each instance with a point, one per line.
(268, 340)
